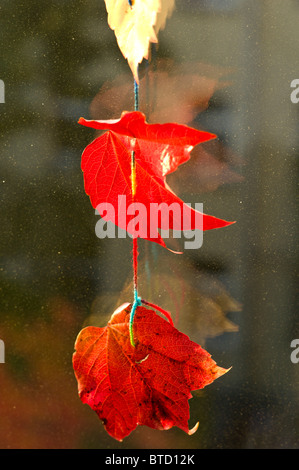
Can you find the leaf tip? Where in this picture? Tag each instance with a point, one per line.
(219, 223)
(174, 251)
(194, 429)
(229, 222)
(219, 371)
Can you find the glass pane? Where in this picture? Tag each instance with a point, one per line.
(225, 67)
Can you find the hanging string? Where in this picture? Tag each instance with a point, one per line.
(136, 303)
(133, 163)
(137, 300)
(136, 96)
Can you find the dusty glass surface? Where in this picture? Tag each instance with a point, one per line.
(57, 276)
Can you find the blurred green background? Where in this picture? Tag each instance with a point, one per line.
(227, 68)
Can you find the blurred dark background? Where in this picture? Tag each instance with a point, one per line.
(226, 67)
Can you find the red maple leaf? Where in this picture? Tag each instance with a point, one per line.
(159, 149)
(149, 384)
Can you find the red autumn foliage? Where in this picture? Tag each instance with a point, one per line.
(149, 384)
(159, 149)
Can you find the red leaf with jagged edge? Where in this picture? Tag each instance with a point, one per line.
(149, 384)
(159, 150)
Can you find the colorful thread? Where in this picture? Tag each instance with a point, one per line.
(136, 303)
(133, 164)
(137, 300)
(136, 96)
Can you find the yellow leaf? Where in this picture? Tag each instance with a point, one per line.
(133, 23)
(166, 10)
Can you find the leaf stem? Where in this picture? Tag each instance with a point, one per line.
(156, 307)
